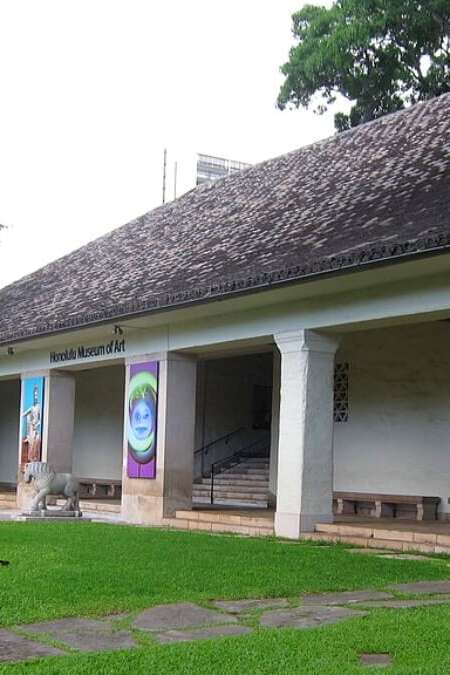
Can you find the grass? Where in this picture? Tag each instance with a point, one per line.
(59, 570)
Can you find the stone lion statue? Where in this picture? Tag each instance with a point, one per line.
(46, 481)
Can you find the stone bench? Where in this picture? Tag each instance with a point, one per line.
(100, 488)
(385, 506)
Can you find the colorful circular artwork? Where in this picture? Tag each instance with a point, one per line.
(142, 416)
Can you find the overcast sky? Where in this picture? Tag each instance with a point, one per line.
(93, 90)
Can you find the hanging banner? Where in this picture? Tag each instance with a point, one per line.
(141, 422)
(31, 414)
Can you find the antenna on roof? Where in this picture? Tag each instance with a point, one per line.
(164, 176)
(175, 171)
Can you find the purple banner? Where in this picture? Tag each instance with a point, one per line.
(141, 420)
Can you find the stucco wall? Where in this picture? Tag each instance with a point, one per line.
(9, 430)
(225, 394)
(98, 429)
(397, 439)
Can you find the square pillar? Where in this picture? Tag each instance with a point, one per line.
(59, 416)
(274, 428)
(57, 423)
(305, 451)
(149, 501)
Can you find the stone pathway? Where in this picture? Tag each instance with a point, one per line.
(186, 621)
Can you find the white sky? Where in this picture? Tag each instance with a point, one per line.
(93, 90)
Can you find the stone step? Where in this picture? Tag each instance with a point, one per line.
(210, 521)
(220, 487)
(244, 468)
(231, 494)
(382, 544)
(376, 537)
(234, 502)
(8, 496)
(219, 480)
(260, 475)
(7, 504)
(95, 505)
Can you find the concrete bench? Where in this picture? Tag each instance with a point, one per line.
(385, 506)
(100, 488)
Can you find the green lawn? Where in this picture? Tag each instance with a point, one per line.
(62, 570)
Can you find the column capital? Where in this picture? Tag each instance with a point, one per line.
(306, 340)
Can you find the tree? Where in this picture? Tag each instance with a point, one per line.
(382, 55)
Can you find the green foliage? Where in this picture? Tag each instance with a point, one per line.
(380, 54)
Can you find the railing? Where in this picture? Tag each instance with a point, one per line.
(259, 448)
(205, 456)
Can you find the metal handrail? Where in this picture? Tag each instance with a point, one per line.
(206, 448)
(239, 456)
(217, 440)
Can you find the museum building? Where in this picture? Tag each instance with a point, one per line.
(273, 346)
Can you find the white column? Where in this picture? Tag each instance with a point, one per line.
(305, 453)
(151, 500)
(59, 415)
(274, 427)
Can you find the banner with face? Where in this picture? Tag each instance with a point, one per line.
(141, 419)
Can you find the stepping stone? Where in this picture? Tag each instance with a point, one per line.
(307, 617)
(180, 615)
(202, 633)
(344, 598)
(16, 648)
(60, 626)
(422, 587)
(375, 660)
(404, 604)
(87, 635)
(243, 606)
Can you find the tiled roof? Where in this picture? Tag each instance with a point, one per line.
(376, 192)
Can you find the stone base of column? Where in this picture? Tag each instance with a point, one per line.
(142, 509)
(292, 525)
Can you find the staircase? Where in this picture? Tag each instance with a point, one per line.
(7, 499)
(245, 484)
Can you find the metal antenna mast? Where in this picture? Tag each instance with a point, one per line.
(164, 176)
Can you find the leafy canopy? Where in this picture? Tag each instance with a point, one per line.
(380, 54)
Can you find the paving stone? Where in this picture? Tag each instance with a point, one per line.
(84, 634)
(16, 648)
(307, 616)
(60, 626)
(422, 587)
(180, 615)
(202, 633)
(97, 640)
(243, 606)
(404, 604)
(343, 598)
(375, 660)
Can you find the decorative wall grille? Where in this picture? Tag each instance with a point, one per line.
(341, 392)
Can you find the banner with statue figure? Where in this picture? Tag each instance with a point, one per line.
(141, 419)
(31, 419)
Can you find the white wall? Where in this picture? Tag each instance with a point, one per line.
(397, 439)
(9, 430)
(225, 394)
(98, 430)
